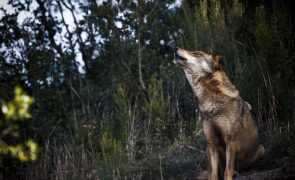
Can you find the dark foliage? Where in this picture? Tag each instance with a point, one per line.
(109, 102)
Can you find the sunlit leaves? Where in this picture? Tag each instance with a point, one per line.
(26, 152)
(14, 111)
(17, 109)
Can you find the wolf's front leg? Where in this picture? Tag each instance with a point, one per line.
(231, 151)
(213, 160)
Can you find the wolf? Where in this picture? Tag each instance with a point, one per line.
(228, 122)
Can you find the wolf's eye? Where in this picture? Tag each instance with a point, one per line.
(197, 53)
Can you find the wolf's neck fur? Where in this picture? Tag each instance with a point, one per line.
(208, 89)
(193, 79)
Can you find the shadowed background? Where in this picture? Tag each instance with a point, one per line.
(110, 103)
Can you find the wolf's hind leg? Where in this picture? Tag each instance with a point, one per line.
(246, 162)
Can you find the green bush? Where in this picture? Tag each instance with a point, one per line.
(12, 143)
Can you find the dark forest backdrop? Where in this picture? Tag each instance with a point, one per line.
(110, 103)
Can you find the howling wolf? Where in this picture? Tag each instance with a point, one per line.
(228, 122)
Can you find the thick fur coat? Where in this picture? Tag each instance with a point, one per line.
(228, 122)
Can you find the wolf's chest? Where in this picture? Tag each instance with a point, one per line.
(207, 104)
(208, 107)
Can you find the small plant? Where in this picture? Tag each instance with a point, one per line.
(156, 111)
(14, 112)
(113, 159)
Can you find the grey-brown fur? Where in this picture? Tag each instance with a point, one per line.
(228, 123)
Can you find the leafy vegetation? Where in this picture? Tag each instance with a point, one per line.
(109, 102)
(14, 112)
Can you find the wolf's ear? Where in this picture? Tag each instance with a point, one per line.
(217, 62)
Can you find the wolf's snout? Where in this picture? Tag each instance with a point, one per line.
(178, 58)
(178, 55)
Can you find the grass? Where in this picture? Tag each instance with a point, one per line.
(177, 160)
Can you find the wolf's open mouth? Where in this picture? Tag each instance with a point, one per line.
(179, 58)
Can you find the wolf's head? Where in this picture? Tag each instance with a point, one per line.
(197, 62)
